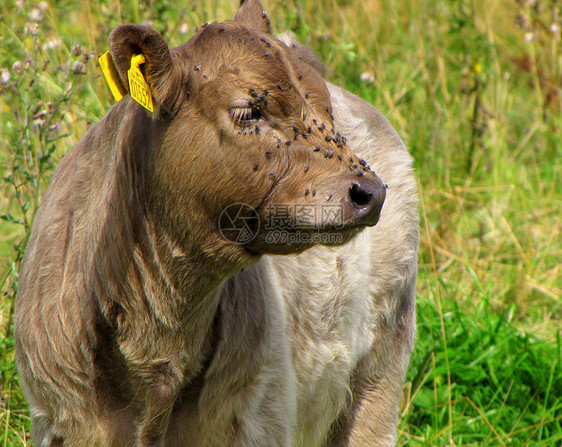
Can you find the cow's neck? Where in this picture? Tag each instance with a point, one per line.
(177, 281)
(168, 288)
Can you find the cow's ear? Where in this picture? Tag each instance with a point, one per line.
(303, 53)
(252, 15)
(158, 69)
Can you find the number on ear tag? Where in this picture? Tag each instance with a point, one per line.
(139, 89)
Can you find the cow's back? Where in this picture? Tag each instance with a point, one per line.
(58, 314)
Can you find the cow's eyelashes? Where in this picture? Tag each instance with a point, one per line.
(245, 116)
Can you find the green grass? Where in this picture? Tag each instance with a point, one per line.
(477, 380)
(474, 89)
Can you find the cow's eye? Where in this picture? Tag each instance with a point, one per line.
(245, 116)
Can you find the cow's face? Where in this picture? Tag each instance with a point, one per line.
(249, 157)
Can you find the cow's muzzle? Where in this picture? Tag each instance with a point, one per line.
(365, 200)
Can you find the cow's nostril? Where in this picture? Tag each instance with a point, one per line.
(366, 198)
(358, 195)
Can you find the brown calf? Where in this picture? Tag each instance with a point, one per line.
(151, 312)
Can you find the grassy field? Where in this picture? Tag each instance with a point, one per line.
(474, 87)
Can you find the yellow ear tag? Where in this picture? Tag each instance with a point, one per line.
(112, 76)
(138, 87)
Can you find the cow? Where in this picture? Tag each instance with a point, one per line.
(184, 283)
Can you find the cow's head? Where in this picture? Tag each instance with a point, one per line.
(246, 140)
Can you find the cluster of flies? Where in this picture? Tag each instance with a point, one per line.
(254, 112)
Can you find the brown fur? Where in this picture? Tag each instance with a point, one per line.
(139, 324)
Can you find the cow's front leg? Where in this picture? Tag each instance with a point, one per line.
(376, 389)
(372, 417)
(161, 394)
